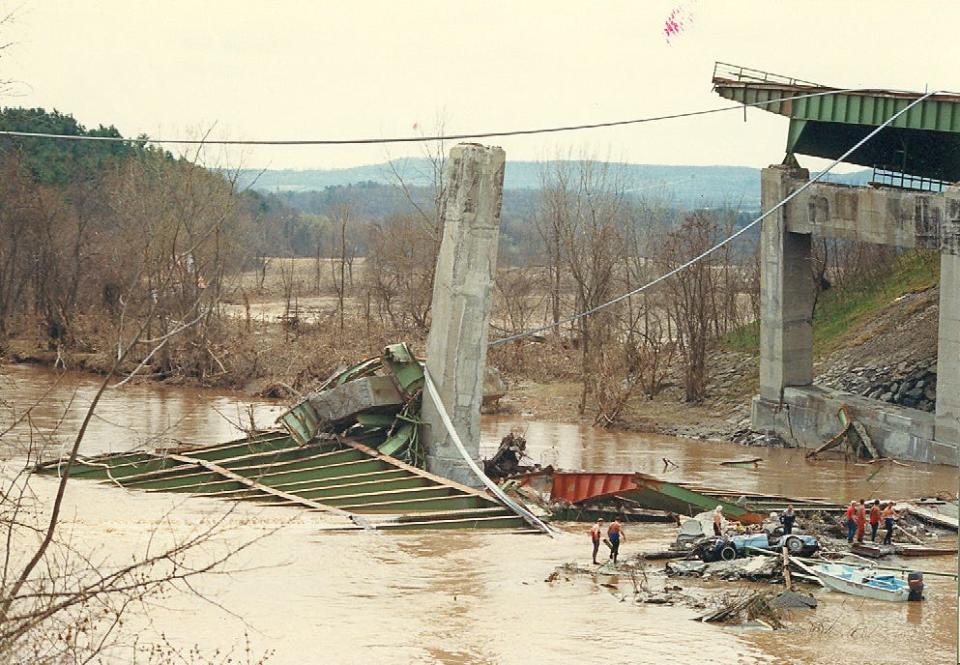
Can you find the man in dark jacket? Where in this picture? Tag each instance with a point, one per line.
(787, 518)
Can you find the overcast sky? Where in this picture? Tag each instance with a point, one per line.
(318, 69)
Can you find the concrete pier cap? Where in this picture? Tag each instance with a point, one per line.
(789, 403)
(460, 310)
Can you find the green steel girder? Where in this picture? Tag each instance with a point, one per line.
(507, 520)
(404, 366)
(322, 494)
(263, 475)
(319, 483)
(924, 141)
(301, 458)
(453, 502)
(392, 496)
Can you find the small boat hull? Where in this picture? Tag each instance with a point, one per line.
(863, 583)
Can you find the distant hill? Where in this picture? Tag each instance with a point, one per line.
(687, 186)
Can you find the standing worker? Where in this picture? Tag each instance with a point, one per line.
(874, 520)
(718, 521)
(851, 520)
(861, 520)
(889, 514)
(787, 518)
(595, 535)
(615, 534)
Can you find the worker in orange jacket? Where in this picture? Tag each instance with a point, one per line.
(861, 520)
(850, 520)
(874, 520)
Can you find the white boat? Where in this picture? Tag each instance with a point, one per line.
(862, 582)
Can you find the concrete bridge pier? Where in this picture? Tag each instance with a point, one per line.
(789, 402)
(786, 290)
(947, 423)
(466, 267)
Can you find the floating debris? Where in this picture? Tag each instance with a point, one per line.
(755, 607)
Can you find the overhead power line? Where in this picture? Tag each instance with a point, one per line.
(419, 139)
(699, 257)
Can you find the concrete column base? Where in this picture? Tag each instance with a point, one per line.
(807, 418)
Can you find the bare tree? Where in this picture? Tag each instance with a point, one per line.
(53, 603)
(586, 206)
(341, 219)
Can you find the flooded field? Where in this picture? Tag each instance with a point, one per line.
(310, 595)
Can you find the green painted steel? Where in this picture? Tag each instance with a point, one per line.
(399, 440)
(459, 513)
(497, 522)
(404, 366)
(937, 114)
(318, 483)
(417, 505)
(923, 142)
(203, 481)
(302, 422)
(321, 494)
(93, 467)
(393, 496)
(676, 499)
(189, 475)
(375, 420)
(120, 466)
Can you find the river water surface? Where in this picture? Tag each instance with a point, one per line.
(306, 594)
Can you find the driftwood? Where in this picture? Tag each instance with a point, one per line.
(787, 582)
(755, 606)
(736, 462)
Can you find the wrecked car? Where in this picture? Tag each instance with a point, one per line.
(797, 544)
(720, 548)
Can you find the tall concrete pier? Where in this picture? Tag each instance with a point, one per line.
(466, 266)
(948, 353)
(786, 290)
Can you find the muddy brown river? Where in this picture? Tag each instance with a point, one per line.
(305, 594)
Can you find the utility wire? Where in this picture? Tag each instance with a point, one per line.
(419, 139)
(594, 310)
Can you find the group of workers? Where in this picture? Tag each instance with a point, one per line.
(857, 518)
(615, 535)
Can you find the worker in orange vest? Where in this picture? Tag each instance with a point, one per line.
(861, 520)
(850, 519)
(874, 520)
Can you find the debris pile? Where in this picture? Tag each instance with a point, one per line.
(506, 461)
(754, 569)
(757, 608)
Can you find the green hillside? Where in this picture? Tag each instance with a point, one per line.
(843, 309)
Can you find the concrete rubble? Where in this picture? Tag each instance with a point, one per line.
(751, 568)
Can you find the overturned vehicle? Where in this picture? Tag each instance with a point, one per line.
(722, 548)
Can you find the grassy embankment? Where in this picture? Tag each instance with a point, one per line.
(843, 310)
